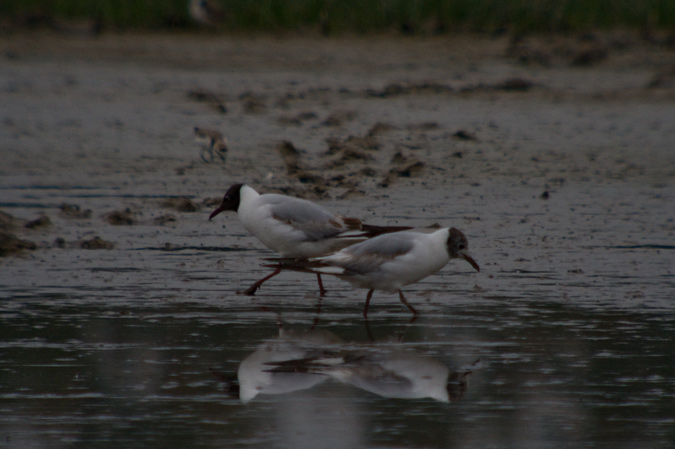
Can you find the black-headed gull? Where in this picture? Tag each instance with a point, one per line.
(389, 262)
(293, 227)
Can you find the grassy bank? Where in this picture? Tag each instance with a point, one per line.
(360, 16)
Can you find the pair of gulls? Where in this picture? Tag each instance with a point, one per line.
(299, 360)
(311, 239)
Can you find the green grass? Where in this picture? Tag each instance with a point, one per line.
(365, 16)
(123, 14)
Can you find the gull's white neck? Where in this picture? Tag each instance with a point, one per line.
(246, 196)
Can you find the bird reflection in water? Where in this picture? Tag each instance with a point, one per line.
(299, 360)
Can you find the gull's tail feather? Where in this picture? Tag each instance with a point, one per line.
(367, 231)
(303, 265)
(373, 230)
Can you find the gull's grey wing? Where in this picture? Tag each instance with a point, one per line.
(385, 246)
(316, 222)
(368, 256)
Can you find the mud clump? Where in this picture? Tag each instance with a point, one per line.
(291, 158)
(339, 118)
(74, 211)
(351, 193)
(180, 204)
(40, 222)
(335, 145)
(120, 218)
(352, 149)
(309, 178)
(589, 56)
(515, 85)
(289, 154)
(379, 128)
(12, 245)
(409, 170)
(404, 167)
(350, 154)
(96, 243)
(289, 121)
(208, 97)
(252, 103)
(396, 89)
(663, 79)
(165, 219)
(508, 85)
(463, 134)
(368, 172)
(363, 143)
(203, 95)
(424, 126)
(297, 120)
(7, 222)
(584, 50)
(530, 53)
(294, 167)
(399, 158)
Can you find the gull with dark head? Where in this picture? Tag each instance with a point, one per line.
(390, 262)
(294, 227)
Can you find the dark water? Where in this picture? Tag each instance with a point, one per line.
(564, 339)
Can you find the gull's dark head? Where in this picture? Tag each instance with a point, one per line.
(230, 200)
(458, 247)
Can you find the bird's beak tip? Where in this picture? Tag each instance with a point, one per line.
(215, 212)
(473, 263)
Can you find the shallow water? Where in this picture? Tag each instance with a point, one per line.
(564, 339)
(568, 338)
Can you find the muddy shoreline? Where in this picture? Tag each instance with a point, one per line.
(121, 324)
(121, 108)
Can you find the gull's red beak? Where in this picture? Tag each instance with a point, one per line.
(469, 259)
(216, 212)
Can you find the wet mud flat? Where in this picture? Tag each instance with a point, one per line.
(120, 320)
